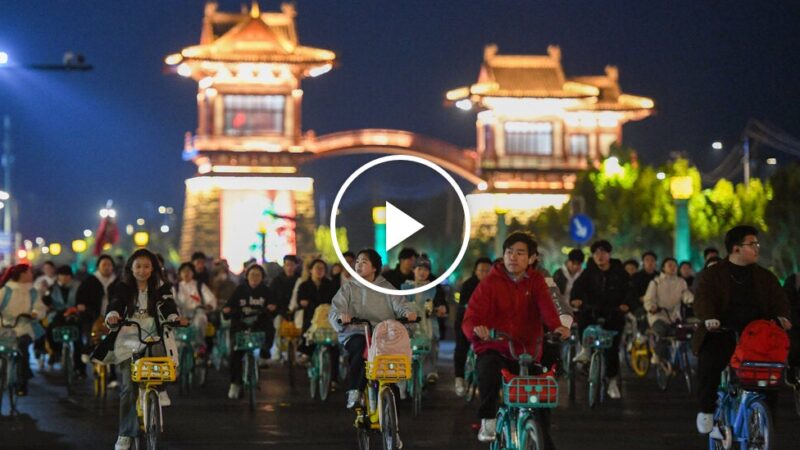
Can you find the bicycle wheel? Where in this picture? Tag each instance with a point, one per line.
(15, 375)
(152, 428)
(324, 373)
(250, 380)
(721, 423)
(66, 363)
(417, 382)
(504, 430)
(363, 438)
(662, 376)
(640, 358)
(686, 369)
(186, 362)
(594, 379)
(569, 369)
(759, 426)
(291, 355)
(201, 371)
(388, 417)
(470, 377)
(3, 381)
(313, 374)
(533, 439)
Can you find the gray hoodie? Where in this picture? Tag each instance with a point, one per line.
(362, 302)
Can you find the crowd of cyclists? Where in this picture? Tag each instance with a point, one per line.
(511, 295)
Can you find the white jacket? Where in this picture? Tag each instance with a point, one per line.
(666, 292)
(20, 303)
(188, 299)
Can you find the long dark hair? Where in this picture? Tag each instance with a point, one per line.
(155, 282)
(13, 273)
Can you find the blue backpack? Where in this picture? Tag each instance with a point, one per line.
(38, 329)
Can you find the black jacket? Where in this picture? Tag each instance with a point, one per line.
(248, 305)
(91, 293)
(281, 291)
(396, 277)
(603, 290)
(639, 283)
(793, 294)
(466, 291)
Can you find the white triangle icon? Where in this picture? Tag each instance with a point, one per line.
(399, 226)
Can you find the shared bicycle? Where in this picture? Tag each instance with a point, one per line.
(11, 364)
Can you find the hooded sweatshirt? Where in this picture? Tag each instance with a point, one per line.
(667, 292)
(362, 302)
(24, 299)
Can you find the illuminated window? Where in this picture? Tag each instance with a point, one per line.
(529, 138)
(579, 144)
(247, 115)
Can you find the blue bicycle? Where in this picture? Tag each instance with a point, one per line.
(742, 414)
(679, 360)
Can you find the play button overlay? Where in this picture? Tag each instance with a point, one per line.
(400, 226)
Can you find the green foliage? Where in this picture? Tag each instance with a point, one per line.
(782, 215)
(324, 243)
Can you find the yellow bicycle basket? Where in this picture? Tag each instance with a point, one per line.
(153, 369)
(288, 330)
(389, 368)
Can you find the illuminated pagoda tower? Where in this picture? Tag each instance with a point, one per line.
(537, 128)
(246, 200)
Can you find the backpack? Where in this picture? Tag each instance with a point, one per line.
(320, 318)
(761, 341)
(389, 338)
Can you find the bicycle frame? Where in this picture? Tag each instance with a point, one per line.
(734, 404)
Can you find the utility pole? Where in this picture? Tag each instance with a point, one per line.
(7, 161)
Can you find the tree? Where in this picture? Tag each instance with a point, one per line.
(324, 243)
(782, 216)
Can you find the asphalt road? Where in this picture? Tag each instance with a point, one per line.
(288, 419)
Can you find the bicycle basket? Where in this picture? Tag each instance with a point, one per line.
(153, 369)
(595, 336)
(66, 334)
(761, 375)
(8, 343)
(184, 334)
(288, 330)
(420, 344)
(684, 332)
(389, 368)
(531, 392)
(325, 336)
(248, 340)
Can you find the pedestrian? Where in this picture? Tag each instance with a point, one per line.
(602, 292)
(730, 295)
(513, 299)
(483, 266)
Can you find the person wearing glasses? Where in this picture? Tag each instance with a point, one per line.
(730, 295)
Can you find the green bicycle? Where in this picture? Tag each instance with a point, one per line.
(420, 347)
(470, 376)
(319, 374)
(248, 342)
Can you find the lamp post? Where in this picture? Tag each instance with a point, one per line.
(500, 210)
(681, 189)
(379, 219)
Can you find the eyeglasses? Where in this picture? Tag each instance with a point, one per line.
(755, 244)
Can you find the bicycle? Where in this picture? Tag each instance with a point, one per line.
(189, 361)
(420, 347)
(67, 335)
(222, 346)
(99, 369)
(290, 337)
(470, 375)
(11, 369)
(150, 372)
(568, 367)
(742, 414)
(598, 340)
(319, 373)
(678, 361)
(378, 410)
(249, 341)
(518, 425)
(636, 346)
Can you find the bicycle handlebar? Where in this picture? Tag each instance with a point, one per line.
(171, 324)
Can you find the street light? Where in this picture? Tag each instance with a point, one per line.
(682, 188)
(716, 145)
(3, 58)
(55, 248)
(141, 238)
(79, 246)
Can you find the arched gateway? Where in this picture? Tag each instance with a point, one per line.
(536, 130)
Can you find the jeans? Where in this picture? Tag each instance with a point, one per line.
(128, 393)
(356, 370)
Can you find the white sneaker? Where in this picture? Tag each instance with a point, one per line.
(123, 443)
(233, 391)
(85, 358)
(583, 356)
(654, 359)
(353, 398)
(705, 422)
(488, 431)
(164, 399)
(403, 389)
(613, 389)
(113, 384)
(461, 387)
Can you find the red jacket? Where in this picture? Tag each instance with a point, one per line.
(517, 308)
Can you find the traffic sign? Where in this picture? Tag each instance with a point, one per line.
(581, 228)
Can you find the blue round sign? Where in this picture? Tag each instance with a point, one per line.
(581, 228)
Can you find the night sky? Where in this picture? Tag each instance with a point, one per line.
(117, 132)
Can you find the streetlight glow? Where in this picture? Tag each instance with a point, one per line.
(165, 228)
(87, 233)
(772, 161)
(3, 58)
(661, 176)
(464, 104)
(140, 221)
(717, 145)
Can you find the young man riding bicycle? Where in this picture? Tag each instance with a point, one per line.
(730, 295)
(515, 300)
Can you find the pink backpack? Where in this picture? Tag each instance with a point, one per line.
(389, 337)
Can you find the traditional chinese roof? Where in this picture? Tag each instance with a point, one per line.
(253, 37)
(542, 76)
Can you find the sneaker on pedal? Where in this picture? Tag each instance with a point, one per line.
(488, 431)
(113, 384)
(461, 387)
(164, 399)
(123, 443)
(705, 422)
(583, 356)
(85, 358)
(233, 391)
(353, 398)
(613, 389)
